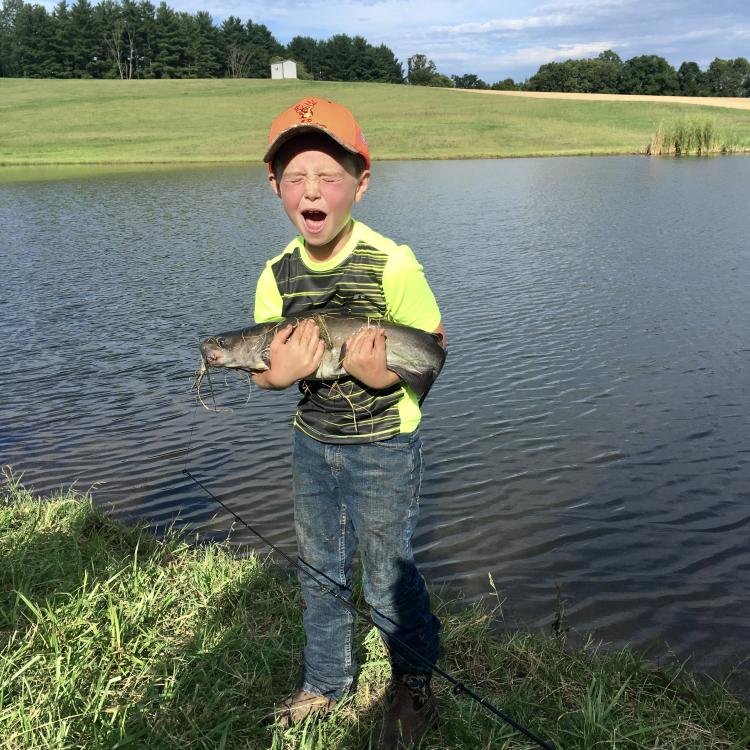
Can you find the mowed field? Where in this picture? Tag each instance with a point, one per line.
(162, 121)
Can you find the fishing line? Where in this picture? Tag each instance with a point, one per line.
(195, 414)
(406, 650)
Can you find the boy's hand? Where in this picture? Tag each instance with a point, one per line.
(365, 358)
(294, 354)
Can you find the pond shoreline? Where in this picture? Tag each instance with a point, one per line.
(11, 172)
(121, 631)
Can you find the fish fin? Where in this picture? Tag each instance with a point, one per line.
(419, 382)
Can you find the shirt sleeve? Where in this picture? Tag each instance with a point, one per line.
(409, 299)
(268, 303)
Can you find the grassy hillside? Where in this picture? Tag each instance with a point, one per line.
(75, 122)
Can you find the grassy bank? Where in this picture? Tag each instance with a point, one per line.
(73, 122)
(110, 638)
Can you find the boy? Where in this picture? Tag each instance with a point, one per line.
(357, 454)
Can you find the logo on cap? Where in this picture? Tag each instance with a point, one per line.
(305, 110)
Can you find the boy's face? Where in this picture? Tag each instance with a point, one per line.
(318, 185)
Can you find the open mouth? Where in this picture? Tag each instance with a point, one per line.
(314, 220)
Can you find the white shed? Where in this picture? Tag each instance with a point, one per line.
(284, 69)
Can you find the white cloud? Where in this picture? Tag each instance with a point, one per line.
(525, 56)
(542, 54)
(507, 24)
(588, 8)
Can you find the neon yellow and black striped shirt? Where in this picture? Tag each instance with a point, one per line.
(371, 276)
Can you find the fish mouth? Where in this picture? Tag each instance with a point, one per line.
(213, 355)
(314, 220)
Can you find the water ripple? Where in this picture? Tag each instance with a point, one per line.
(589, 434)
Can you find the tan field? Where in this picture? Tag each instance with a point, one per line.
(705, 101)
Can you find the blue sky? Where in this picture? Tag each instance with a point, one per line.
(513, 38)
(496, 39)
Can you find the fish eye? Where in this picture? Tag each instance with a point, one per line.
(221, 342)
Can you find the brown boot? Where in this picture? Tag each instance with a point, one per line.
(412, 712)
(297, 707)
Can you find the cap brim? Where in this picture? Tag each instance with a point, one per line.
(294, 131)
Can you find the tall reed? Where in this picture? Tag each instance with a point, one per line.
(689, 138)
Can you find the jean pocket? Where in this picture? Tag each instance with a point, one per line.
(404, 441)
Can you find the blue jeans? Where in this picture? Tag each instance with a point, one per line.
(363, 495)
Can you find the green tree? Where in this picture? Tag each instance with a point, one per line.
(86, 53)
(507, 84)
(9, 47)
(233, 31)
(144, 25)
(743, 65)
(588, 76)
(580, 75)
(609, 56)
(34, 30)
(111, 24)
(62, 40)
(345, 58)
(469, 81)
(439, 80)
(262, 46)
(649, 74)
(338, 57)
(601, 74)
(305, 49)
(420, 70)
(549, 77)
(729, 77)
(203, 54)
(234, 41)
(692, 79)
(386, 68)
(261, 35)
(606, 72)
(361, 65)
(169, 41)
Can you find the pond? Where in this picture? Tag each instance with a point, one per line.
(589, 438)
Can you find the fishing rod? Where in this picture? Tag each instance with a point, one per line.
(406, 650)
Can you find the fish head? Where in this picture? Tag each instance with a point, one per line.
(246, 349)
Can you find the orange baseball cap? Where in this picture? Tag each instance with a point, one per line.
(318, 115)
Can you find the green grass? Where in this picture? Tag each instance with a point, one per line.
(690, 138)
(77, 121)
(110, 638)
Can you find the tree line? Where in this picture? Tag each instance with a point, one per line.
(644, 74)
(608, 74)
(136, 39)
